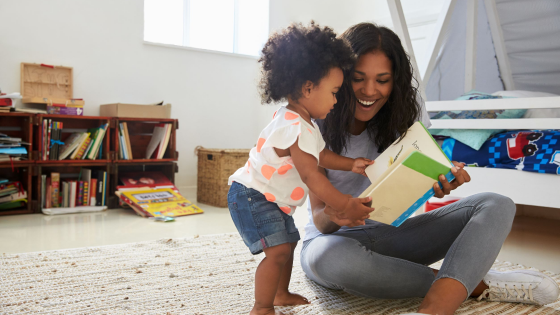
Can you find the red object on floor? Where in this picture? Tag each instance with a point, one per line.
(437, 204)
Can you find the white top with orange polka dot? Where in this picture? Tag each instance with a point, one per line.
(276, 177)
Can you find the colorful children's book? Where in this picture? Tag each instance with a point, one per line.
(55, 182)
(160, 202)
(403, 176)
(71, 143)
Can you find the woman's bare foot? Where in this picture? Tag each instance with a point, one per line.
(265, 311)
(287, 298)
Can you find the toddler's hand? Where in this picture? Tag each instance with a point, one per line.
(356, 209)
(360, 165)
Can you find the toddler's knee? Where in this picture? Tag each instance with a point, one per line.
(279, 254)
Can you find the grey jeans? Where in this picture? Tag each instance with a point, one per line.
(381, 261)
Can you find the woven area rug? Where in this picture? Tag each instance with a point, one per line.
(200, 275)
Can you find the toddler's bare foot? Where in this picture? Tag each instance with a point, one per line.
(265, 311)
(287, 298)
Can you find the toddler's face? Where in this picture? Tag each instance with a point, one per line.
(323, 96)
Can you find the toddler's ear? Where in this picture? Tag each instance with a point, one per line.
(306, 89)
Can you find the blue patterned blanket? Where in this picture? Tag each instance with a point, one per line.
(527, 150)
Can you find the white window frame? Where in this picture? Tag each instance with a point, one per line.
(186, 35)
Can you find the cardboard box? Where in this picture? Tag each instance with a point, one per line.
(135, 110)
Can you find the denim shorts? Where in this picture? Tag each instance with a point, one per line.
(260, 222)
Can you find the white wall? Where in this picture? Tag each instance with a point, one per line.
(214, 96)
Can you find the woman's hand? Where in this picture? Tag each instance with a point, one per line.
(360, 164)
(461, 177)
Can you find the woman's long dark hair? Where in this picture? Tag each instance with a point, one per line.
(402, 108)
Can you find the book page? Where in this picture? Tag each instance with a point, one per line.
(418, 138)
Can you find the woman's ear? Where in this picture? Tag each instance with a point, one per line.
(306, 89)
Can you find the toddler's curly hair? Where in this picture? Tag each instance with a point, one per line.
(297, 54)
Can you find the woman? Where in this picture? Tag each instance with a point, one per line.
(377, 103)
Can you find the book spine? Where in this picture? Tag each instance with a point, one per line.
(80, 197)
(82, 149)
(87, 150)
(43, 190)
(48, 193)
(86, 194)
(93, 191)
(100, 156)
(55, 182)
(73, 193)
(104, 193)
(128, 145)
(49, 139)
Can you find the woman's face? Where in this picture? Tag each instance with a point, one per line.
(372, 82)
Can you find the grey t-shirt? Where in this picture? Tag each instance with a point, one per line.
(348, 182)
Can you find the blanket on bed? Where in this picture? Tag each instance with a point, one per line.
(526, 150)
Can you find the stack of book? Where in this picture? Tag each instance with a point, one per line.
(151, 194)
(159, 141)
(62, 194)
(12, 195)
(11, 148)
(125, 150)
(77, 146)
(7, 101)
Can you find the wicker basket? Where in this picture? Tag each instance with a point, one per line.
(215, 166)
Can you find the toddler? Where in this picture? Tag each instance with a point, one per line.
(303, 65)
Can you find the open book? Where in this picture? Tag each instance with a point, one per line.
(403, 176)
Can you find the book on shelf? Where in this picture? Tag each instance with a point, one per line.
(61, 191)
(13, 204)
(11, 148)
(127, 139)
(78, 145)
(158, 202)
(93, 192)
(97, 141)
(14, 196)
(403, 176)
(71, 143)
(55, 182)
(159, 141)
(124, 142)
(80, 151)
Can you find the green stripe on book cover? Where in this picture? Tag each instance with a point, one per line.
(429, 194)
(425, 165)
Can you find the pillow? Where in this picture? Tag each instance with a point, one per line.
(475, 138)
(533, 113)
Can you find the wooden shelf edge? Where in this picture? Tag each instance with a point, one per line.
(140, 161)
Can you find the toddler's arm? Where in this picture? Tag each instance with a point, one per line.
(306, 165)
(330, 160)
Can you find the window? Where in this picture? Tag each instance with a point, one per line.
(235, 26)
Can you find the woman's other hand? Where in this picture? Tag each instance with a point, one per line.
(461, 177)
(360, 164)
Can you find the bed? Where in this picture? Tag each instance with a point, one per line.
(471, 49)
(523, 187)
